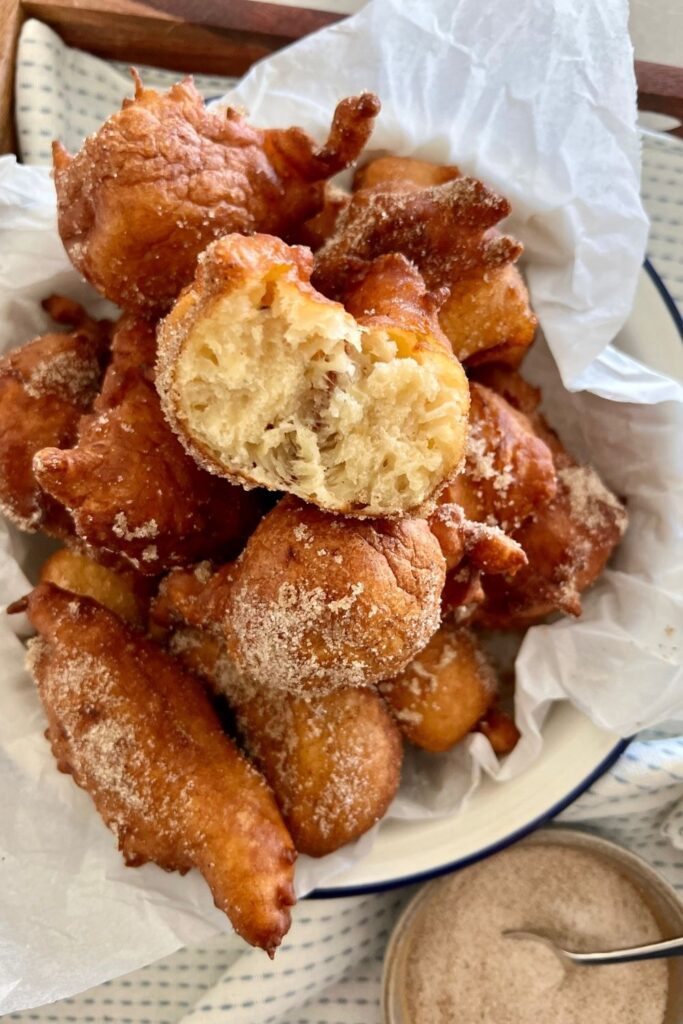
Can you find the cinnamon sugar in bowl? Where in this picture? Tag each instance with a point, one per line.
(448, 961)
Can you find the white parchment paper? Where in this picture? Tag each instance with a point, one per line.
(539, 103)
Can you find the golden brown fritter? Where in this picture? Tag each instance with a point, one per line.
(333, 762)
(567, 540)
(138, 733)
(315, 231)
(317, 602)
(268, 382)
(128, 483)
(443, 229)
(483, 547)
(444, 691)
(500, 730)
(403, 172)
(567, 543)
(123, 591)
(488, 319)
(508, 470)
(45, 387)
(444, 224)
(163, 177)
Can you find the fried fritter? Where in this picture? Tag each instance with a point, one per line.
(471, 550)
(508, 471)
(333, 762)
(485, 548)
(317, 602)
(269, 383)
(164, 177)
(138, 733)
(444, 224)
(443, 229)
(488, 319)
(567, 544)
(500, 730)
(567, 540)
(131, 488)
(403, 172)
(45, 387)
(318, 229)
(124, 592)
(444, 691)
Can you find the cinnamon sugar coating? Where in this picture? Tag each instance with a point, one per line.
(163, 177)
(567, 540)
(128, 483)
(441, 694)
(317, 602)
(508, 470)
(45, 387)
(333, 761)
(138, 733)
(486, 314)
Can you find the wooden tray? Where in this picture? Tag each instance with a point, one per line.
(222, 37)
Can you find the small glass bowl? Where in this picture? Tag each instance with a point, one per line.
(662, 900)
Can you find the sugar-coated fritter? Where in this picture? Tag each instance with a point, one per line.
(269, 383)
(472, 550)
(444, 223)
(567, 543)
(45, 387)
(486, 548)
(508, 470)
(315, 231)
(123, 591)
(567, 540)
(446, 689)
(163, 177)
(129, 485)
(443, 229)
(487, 318)
(403, 172)
(139, 734)
(500, 730)
(333, 761)
(317, 602)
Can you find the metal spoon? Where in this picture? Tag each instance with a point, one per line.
(652, 951)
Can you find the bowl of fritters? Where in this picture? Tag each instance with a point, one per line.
(297, 482)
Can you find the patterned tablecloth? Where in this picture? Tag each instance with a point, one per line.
(329, 970)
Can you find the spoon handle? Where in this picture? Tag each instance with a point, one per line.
(653, 951)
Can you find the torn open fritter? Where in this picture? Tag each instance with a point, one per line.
(129, 485)
(508, 470)
(445, 690)
(164, 176)
(444, 224)
(332, 761)
(567, 539)
(45, 387)
(268, 382)
(317, 602)
(139, 734)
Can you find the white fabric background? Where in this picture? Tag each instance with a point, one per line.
(329, 970)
